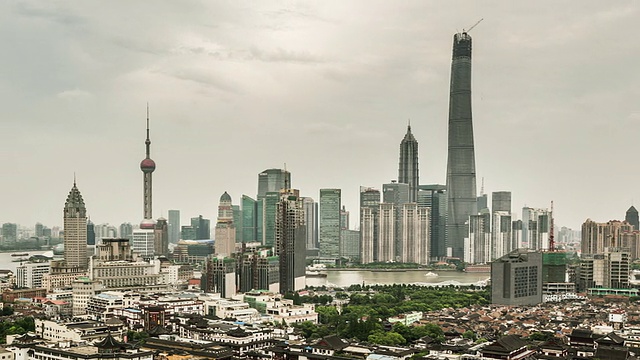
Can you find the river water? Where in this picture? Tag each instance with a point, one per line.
(338, 278)
(346, 278)
(7, 261)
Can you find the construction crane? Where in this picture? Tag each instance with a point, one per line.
(471, 28)
(552, 242)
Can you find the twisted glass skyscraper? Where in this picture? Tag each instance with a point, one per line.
(461, 167)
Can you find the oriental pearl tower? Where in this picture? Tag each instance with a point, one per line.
(147, 166)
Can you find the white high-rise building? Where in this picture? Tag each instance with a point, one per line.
(29, 275)
(311, 220)
(367, 231)
(415, 234)
(477, 245)
(536, 224)
(501, 234)
(144, 242)
(386, 232)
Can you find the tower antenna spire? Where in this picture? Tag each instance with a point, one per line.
(147, 142)
(74, 178)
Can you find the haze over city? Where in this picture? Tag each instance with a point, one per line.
(327, 88)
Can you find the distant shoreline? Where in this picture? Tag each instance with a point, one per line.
(385, 270)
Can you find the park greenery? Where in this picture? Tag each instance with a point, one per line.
(364, 316)
(18, 326)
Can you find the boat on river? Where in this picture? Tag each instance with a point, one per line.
(431, 274)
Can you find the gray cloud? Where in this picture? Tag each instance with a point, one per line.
(326, 87)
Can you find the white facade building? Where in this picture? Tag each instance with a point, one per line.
(29, 275)
(144, 242)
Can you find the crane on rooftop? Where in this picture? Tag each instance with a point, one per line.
(472, 26)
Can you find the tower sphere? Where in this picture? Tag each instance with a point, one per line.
(147, 165)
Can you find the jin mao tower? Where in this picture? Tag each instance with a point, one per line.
(408, 164)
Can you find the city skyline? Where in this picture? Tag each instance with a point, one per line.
(535, 82)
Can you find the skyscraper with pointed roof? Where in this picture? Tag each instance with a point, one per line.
(408, 165)
(75, 230)
(632, 217)
(461, 164)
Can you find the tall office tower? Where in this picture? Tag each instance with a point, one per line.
(536, 224)
(344, 218)
(225, 228)
(632, 217)
(248, 206)
(369, 207)
(267, 217)
(631, 240)
(202, 227)
(501, 227)
(516, 279)
(609, 269)
(516, 234)
(350, 244)
(161, 237)
(258, 271)
(477, 245)
(311, 221)
(291, 239)
(259, 216)
(329, 239)
(91, 233)
(482, 202)
(501, 201)
(126, 230)
(461, 164)
(596, 237)
(415, 234)
(397, 194)
(147, 166)
(75, 230)
(219, 276)
(273, 180)
(386, 232)
(408, 167)
(187, 232)
(434, 197)
(38, 229)
(237, 221)
(9, 233)
(174, 226)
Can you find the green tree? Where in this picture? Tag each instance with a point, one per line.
(389, 338)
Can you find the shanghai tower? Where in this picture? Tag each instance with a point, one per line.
(461, 167)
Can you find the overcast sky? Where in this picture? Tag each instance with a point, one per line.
(326, 87)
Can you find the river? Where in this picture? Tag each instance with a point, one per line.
(7, 261)
(346, 278)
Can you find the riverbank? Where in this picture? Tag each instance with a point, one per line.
(387, 270)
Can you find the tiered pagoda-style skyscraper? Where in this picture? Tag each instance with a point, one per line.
(461, 164)
(408, 167)
(75, 230)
